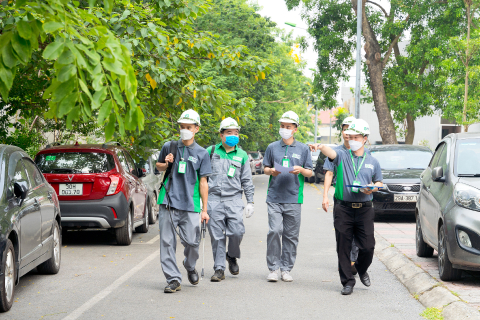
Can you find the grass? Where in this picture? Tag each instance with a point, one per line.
(392, 245)
(432, 314)
(416, 296)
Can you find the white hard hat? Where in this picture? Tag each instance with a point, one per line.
(189, 116)
(228, 123)
(358, 126)
(290, 117)
(348, 120)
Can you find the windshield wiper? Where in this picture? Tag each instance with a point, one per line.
(62, 170)
(469, 175)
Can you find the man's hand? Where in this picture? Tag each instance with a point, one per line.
(297, 170)
(204, 216)
(169, 158)
(249, 210)
(368, 190)
(274, 172)
(325, 203)
(314, 147)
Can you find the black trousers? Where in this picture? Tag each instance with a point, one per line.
(358, 223)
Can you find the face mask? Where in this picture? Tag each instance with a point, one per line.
(355, 145)
(285, 133)
(186, 134)
(231, 140)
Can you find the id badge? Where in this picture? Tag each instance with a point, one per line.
(286, 163)
(356, 183)
(231, 171)
(182, 167)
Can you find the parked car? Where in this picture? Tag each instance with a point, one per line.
(152, 180)
(252, 164)
(257, 159)
(98, 186)
(30, 222)
(448, 217)
(401, 168)
(318, 171)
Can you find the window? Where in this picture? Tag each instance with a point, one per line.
(123, 160)
(144, 164)
(130, 162)
(442, 160)
(33, 173)
(19, 173)
(402, 159)
(467, 157)
(75, 162)
(435, 157)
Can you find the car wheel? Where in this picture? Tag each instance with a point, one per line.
(8, 277)
(152, 218)
(52, 265)
(124, 234)
(445, 268)
(311, 179)
(317, 179)
(423, 249)
(144, 227)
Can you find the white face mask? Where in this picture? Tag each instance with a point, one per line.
(285, 133)
(355, 145)
(186, 134)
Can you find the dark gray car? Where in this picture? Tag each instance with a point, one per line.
(30, 234)
(152, 179)
(448, 207)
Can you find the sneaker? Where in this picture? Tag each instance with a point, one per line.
(172, 287)
(232, 265)
(286, 276)
(273, 276)
(218, 276)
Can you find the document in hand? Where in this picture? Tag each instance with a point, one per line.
(282, 169)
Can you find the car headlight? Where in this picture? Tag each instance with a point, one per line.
(467, 197)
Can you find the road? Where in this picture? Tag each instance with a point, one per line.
(99, 280)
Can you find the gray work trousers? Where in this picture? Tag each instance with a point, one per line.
(282, 238)
(189, 227)
(226, 220)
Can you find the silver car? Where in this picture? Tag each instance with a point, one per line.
(152, 179)
(448, 207)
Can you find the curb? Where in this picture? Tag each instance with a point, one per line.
(421, 285)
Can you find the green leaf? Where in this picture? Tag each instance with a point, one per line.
(63, 89)
(66, 57)
(6, 76)
(97, 83)
(99, 97)
(52, 26)
(67, 104)
(73, 115)
(4, 91)
(86, 104)
(24, 29)
(117, 95)
(85, 88)
(104, 111)
(110, 128)
(53, 50)
(115, 67)
(67, 72)
(8, 57)
(21, 47)
(20, 3)
(108, 5)
(121, 126)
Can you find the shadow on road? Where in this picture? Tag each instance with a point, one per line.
(397, 218)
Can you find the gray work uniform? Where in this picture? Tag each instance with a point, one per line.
(225, 204)
(184, 201)
(284, 201)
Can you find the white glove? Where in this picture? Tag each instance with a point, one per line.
(249, 210)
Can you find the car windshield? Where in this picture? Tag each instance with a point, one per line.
(255, 155)
(467, 157)
(75, 162)
(142, 163)
(315, 153)
(402, 159)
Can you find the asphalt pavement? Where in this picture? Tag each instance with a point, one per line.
(100, 280)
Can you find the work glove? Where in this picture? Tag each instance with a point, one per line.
(249, 210)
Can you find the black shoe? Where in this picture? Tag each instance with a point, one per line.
(347, 290)
(218, 276)
(172, 287)
(354, 270)
(232, 265)
(365, 279)
(192, 275)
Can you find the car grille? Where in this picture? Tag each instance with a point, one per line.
(399, 206)
(401, 187)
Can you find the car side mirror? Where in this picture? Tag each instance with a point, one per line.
(156, 172)
(20, 190)
(140, 173)
(437, 174)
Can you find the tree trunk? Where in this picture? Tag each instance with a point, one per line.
(410, 129)
(375, 70)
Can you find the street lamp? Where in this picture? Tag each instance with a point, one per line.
(294, 25)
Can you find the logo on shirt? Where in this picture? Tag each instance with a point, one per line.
(237, 158)
(193, 159)
(296, 156)
(369, 166)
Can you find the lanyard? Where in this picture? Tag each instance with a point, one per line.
(286, 148)
(183, 152)
(353, 162)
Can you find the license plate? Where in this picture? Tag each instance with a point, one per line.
(71, 189)
(405, 198)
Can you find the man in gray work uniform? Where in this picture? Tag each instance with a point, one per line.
(231, 176)
(180, 206)
(285, 197)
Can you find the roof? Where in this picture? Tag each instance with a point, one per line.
(397, 147)
(80, 148)
(464, 135)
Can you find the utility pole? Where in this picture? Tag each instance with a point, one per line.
(359, 57)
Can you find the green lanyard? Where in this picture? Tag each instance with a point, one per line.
(286, 149)
(183, 153)
(355, 171)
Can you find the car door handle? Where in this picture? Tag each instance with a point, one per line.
(49, 196)
(36, 203)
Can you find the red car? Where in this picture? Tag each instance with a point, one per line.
(98, 186)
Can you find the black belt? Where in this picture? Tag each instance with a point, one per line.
(355, 205)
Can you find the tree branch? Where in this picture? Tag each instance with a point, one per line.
(389, 51)
(376, 4)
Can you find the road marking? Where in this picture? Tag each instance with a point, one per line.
(105, 292)
(153, 240)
